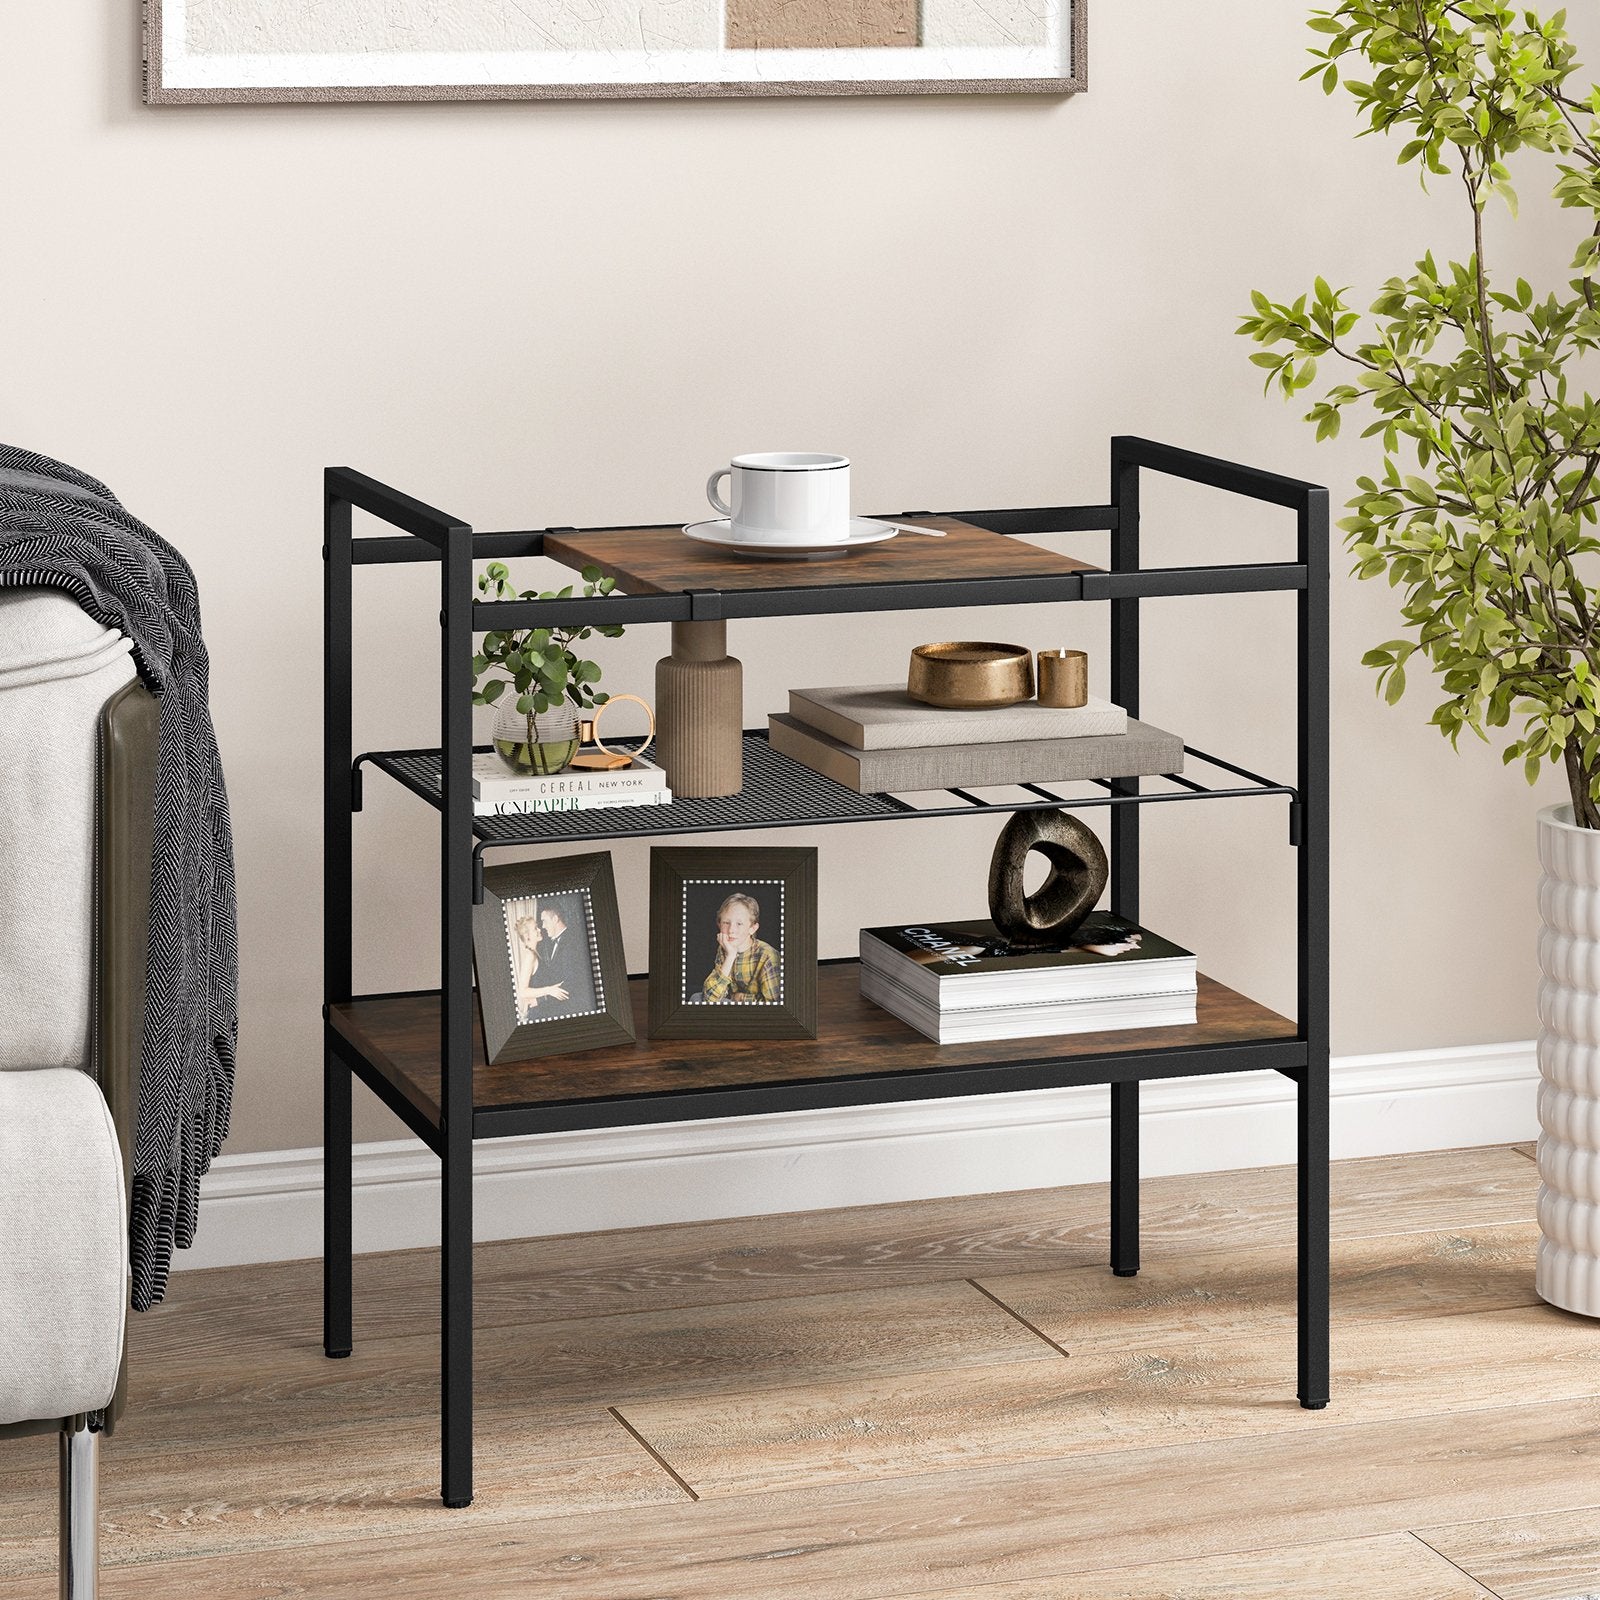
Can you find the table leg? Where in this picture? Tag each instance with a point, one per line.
(1313, 1219)
(1125, 1179)
(337, 1180)
(456, 1322)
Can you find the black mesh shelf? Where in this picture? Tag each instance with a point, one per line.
(780, 793)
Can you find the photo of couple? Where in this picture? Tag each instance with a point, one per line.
(552, 956)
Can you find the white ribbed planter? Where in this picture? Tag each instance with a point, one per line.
(1569, 1064)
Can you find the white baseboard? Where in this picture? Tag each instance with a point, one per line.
(267, 1206)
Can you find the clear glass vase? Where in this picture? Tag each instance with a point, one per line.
(538, 742)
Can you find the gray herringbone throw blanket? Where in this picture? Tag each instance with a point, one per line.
(60, 529)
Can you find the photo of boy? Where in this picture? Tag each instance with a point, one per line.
(745, 969)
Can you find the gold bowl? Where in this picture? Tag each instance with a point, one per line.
(970, 675)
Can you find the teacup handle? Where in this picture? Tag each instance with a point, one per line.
(711, 490)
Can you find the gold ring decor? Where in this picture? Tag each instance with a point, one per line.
(604, 706)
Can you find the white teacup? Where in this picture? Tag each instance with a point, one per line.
(786, 497)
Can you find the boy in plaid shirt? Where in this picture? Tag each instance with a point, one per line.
(746, 969)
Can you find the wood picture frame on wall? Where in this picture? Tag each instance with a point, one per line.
(210, 52)
(733, 943)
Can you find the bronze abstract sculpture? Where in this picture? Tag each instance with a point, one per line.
(1078, 874)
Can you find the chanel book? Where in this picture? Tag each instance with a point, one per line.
(957, 965)
(1036, 1020)
(961, 981)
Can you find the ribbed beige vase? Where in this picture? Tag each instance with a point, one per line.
(1569, 1064)
(700, 712)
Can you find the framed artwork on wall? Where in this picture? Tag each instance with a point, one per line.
(217, 51)
(547, 944)
(733, 943)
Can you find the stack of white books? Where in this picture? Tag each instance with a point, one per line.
(498, 790)
(960, 981)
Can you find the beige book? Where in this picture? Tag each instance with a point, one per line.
(883, 716)
(1140, 752)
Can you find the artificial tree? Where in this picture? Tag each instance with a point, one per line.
(1486, 537)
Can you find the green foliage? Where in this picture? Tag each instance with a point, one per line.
(539, 664)
(1468, 383)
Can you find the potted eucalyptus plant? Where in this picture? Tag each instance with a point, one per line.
(1482, 515)
(549, 683)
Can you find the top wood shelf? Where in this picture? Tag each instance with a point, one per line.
(660, 560)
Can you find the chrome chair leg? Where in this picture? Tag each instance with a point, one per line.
(80, 1511)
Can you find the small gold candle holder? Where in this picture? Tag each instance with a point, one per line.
(1063, 678)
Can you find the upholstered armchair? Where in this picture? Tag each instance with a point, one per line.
(77, 764)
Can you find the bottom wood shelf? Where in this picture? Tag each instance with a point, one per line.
(861, 1055)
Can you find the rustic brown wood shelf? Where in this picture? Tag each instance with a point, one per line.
(858, 1044)
(659, 560)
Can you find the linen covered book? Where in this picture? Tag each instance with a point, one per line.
(1142, 751)
(884, 717)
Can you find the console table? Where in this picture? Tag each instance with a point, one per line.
(422, 1053)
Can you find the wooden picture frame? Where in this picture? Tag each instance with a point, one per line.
(690, 894)
(254, 51)
(554, 920)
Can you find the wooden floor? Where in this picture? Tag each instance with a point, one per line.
(951, 1399)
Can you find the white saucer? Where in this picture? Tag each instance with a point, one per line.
(863, 531)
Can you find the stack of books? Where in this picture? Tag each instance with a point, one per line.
(879, 739)
(499, 791)
(960, 981)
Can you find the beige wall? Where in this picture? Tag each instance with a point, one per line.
(568, 313)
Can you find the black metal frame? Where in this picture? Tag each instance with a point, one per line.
(431, 535)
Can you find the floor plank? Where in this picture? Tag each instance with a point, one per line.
(587, 1362)
(1545, 1557)
(1393, 1567)
(1531, 1151)
(906, 1536)
(652, 1269)
(229, 1500)
(1211, 1293)
(1157, 1396)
